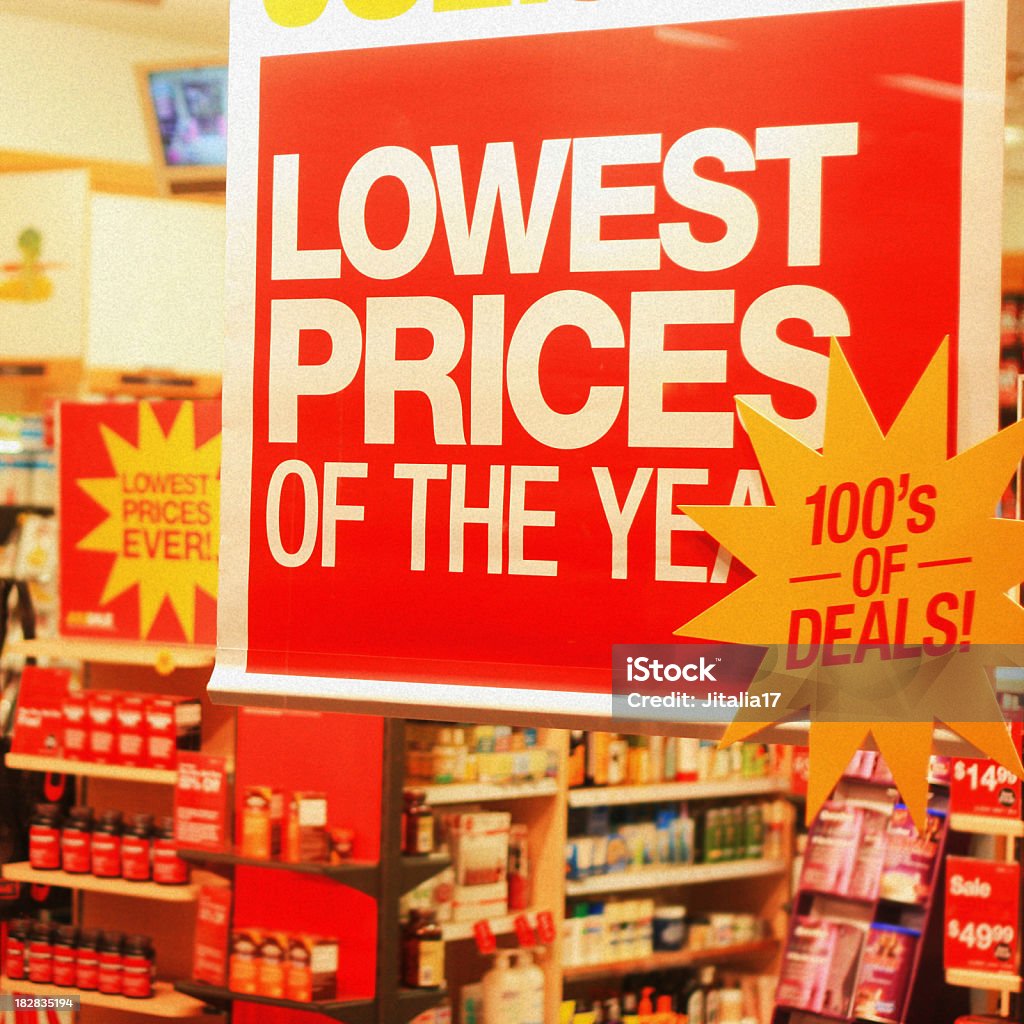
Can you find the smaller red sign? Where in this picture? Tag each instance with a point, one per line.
(982, 910)
(486, 943)
(546, 927)
(524, 933)
(801, 771)
(213, 926)
(982, 787)
(201, 802)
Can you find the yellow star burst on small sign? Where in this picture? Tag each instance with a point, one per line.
(882, 575)
(163, 506)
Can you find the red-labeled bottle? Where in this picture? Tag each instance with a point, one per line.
(106, 845)
(76, 841)
(137, 979)
(15, 960)
(40, 953)
(87, 960)
(44, 838)
(137, 849)
(111, 963)
(168, 867)
(64, 956)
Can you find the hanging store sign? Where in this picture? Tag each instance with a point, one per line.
(497, 275)
(139, 530)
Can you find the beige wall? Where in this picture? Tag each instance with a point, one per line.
(70, 90)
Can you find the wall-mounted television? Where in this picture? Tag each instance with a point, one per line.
(185, 108)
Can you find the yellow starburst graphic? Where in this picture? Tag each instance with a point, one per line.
(163, 507)
(882, 575)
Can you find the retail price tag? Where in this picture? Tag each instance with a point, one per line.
(486, 943)
(524, 932)
(982, 900)
(201, 802)
(546, 927)
(800, 771)
(985, 788)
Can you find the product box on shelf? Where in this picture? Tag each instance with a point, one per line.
(130, 718)
(818, 969)
(100, 705)
(212, 935)
(262, 817)
(39, 720)
(75, 712)
(910, 857)
(305, 832)
(479, 846)
(885, 973)
(474, 902)
(312, 971)
(243, 960)
(272, 967)
(172, 723)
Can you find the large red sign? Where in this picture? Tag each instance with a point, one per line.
(506, 294)
(982, 916)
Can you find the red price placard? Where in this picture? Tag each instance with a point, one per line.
(982, 787)
(982, 899)
(201, 802)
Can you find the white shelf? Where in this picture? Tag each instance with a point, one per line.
(457, 931)
(165, 1001)
(666, 875)
(980, 824)
(987, 980)
(474, 792)
(62, 766)
(604, 796)
(165, 658)
(24, 872)
(670, 961)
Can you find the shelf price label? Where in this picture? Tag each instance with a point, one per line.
(981, 928)
(201, 802)
(982, 787)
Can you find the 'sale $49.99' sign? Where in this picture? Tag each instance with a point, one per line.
(497, 276)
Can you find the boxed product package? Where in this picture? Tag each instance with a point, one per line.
(870, 855)
(271, 968)
(39, 723)
(434, 894)
(820, 965)
(76, 726)
(910, 857)
(306, 838)
(261, 818)
(479, 845)
(832, 848)
(885, 972)
(102, 726)
(130, 716)
(243, 961)
(172, 724)
(475, 902)
(212, 935)
(312, 968)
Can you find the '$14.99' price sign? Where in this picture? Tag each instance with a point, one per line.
(984, 788)
(981, 916)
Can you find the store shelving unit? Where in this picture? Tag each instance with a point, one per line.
(164, 658)
(450, 793)
(165, 1002)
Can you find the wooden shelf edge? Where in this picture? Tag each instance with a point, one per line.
(504, 924)
(353, 1009)
(670, 961)
(473, 792)
(613, 796)
(669, 875)
(165, 1001)
(163, 657)
(356, 874)
(24, 872)
(987, 980)
(63, 766)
